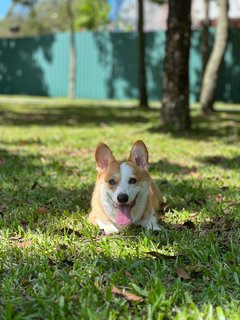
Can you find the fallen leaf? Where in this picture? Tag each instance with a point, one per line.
(127, 274)
(42, 210)
(189, 224)
(22, 245)
(182, 273)
(127, 295)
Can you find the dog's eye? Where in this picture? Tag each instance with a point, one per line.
(132, 181)
(112, 182)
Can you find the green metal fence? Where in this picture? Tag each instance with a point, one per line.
(106, 66)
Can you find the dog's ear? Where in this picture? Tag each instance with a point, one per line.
(139, 154)
(103, 156)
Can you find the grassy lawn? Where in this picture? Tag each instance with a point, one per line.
(54, 265)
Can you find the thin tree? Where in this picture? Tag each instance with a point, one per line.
(143, 96)
(72, 62)
(209, 83)
(205, 36)
(175, 112)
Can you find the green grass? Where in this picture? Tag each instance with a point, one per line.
(47, 174)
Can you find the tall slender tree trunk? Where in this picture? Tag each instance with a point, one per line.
(143, 97)
(205, 36)
(72, 58)
(209, 83)
(175, 102)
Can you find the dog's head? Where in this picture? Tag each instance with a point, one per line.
(122, 185)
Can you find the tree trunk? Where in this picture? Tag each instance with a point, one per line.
(209, 83)
(72, 58)
(205, 36)
(175, 102)
(143, 97)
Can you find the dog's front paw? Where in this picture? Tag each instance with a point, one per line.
(108, 228)
(151, 224)
(154, 227)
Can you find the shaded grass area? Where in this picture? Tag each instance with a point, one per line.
(53, 265)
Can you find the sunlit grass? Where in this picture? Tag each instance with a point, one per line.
(47, 173)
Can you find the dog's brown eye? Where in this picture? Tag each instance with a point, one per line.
(112, 182)
(132, 181)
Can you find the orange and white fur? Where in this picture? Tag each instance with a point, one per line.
(124, 193)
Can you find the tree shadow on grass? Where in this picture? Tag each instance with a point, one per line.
(186, 189)
(232, 163)
(221, 124)
(73, 115)
(195, 195)
(28, 185)
(167, 166)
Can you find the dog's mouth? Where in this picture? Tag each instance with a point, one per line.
(124, 212)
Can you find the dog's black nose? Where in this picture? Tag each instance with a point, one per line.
(122, 198)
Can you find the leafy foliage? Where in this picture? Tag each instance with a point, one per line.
(43, 16)
(92, 14)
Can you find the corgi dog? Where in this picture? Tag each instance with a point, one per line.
(124, 192)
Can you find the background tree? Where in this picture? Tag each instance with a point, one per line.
(143, 96)
(205, 36)
(72, 62)
(209, 83)
(175, 102)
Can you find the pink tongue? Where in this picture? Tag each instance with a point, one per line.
(124, 215)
